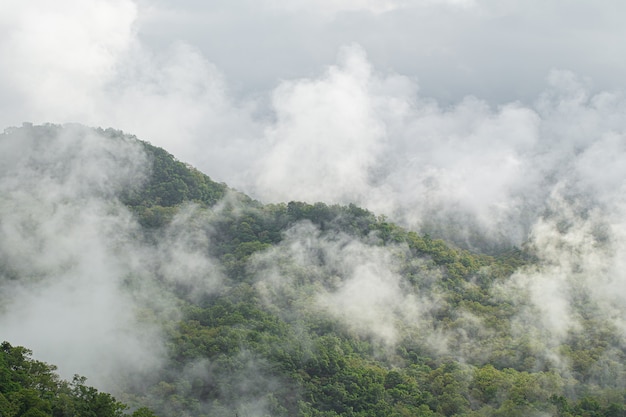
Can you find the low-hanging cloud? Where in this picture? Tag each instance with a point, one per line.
(358, 135)
(80, 283)
(345, 279)
(62, 236)
(355, 135)
(572, 290)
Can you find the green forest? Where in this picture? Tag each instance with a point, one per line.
(321, 311)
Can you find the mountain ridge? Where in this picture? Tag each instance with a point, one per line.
(286, 309)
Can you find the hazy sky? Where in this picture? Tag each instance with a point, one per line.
(496, 50)
(499, 50)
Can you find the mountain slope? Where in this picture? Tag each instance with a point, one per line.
(288, 309)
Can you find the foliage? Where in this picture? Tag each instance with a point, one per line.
(171, 182)
(231, 353)
(31, 388)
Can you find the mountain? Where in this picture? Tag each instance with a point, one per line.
(182, 295)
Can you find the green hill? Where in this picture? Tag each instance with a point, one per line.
(317, 310)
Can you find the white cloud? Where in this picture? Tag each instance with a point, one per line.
(357, 284)
(75, 280)
(326, 135)
(59, 56)
(64, 235)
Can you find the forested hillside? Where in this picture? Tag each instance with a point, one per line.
(291, 309)
(32, 388)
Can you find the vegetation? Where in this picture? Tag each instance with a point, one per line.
(30, 388)
(236, 352)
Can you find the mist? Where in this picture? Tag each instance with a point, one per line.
(345, 279)
(78, 277)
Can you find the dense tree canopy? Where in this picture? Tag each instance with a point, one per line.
(32, 388)
(267, 347)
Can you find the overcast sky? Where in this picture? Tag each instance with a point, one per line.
(498, 50)
(403, 106)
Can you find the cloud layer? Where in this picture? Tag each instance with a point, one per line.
(78, 283)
